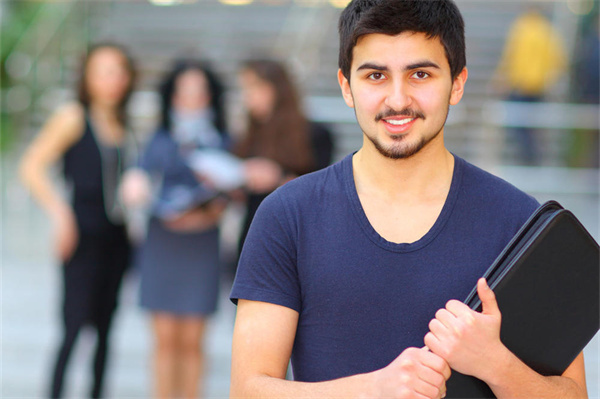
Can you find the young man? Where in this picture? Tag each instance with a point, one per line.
(351, 270)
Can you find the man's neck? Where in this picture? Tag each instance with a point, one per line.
(420, 176)
(402, 199)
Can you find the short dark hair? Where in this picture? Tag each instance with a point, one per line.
(435, 18)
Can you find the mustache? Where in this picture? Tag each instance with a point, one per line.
(408, 112)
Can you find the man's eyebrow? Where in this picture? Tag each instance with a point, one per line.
(375, 67)
(410, 67)
(423, 64)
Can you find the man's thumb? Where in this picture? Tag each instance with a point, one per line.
(488, 298)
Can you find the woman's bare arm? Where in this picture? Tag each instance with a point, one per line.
(61, 131)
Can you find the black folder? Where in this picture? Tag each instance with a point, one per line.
(546, 283)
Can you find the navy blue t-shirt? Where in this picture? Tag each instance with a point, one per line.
(361, 299)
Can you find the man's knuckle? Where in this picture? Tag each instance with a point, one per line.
(440, 365)
(438, 380)
(407, 363)
(403, 391)
(469, 319)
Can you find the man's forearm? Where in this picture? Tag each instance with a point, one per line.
(264, 386)
(514, 379)
(416, 372)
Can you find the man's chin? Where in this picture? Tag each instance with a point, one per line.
(394, 152)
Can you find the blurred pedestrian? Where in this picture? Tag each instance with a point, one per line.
(533, 60)
(584, 148)
(89, 136)
(280, 142)
(179, 259)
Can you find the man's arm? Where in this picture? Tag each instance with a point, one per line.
(262, 344)
(470, 343)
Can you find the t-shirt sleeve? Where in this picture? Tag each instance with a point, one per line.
(267, 269)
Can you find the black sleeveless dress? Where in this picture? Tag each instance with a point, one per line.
(93, 171)
(92, 276)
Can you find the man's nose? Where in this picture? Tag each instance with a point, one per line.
(399, 96)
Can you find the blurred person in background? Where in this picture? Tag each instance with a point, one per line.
(533, 60)
(89, 136)
(280, 142)
(584, 148)
(179, 259)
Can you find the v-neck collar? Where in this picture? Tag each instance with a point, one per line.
(374, 236)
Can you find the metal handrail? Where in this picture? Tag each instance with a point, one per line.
(547, 115)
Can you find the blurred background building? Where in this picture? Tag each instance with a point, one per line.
(41, 44)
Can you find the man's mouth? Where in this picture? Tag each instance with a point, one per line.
(399, 122)
(399, 118)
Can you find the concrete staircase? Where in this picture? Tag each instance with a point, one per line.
(305, 36)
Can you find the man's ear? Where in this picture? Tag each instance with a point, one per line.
(345, 86)
(458, 86)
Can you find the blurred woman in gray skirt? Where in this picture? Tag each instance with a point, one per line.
(179, 259)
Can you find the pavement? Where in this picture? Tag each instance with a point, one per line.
(29, 329)
(29, 322)
(30, 332)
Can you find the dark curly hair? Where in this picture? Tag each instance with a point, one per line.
(217, 92)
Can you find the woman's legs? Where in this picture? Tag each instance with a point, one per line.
(71, 331)
(76, 303)
(99, 364)
(191, 356)
(165, 355)
(113, 261)
(178, 355)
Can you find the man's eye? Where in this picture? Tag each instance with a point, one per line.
(376, 76)
(420, 75)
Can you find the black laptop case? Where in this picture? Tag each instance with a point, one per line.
(546, 283)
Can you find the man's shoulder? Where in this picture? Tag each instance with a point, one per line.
(313, 185)
(488, 182)
(484, 188)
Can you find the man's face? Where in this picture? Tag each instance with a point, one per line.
(401, 89)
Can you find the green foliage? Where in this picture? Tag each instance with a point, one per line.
(17, 17)
(6, 134)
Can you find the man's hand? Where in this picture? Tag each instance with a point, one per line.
(416, 373)
(469, 341)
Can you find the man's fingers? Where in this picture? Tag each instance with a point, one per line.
(435, 346)
(445, 317)
(463, 316)
(438, 328)
(457, 308)
(488, 298)
(435, 362)
(429, 390)
(432, 376)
